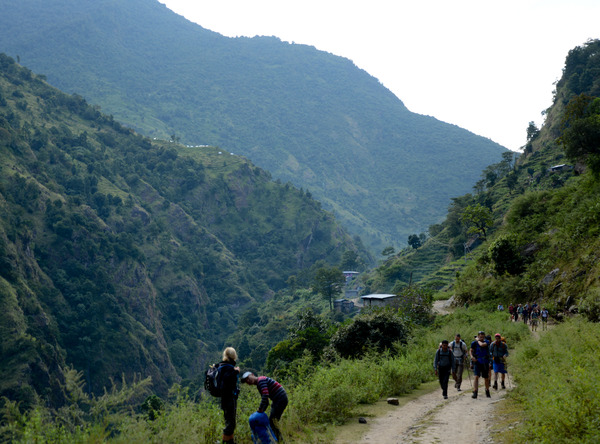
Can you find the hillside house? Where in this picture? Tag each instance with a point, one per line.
(343, 305)
(378, 300)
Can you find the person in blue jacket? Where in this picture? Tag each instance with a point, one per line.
(480, 357)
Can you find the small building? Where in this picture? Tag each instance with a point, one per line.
(560, 168)
(343, 305)
(351, 294)
(378, 300)
(349, 275)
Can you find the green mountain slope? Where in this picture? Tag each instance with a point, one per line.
(119, 255)
(542, 240)
(305, 115)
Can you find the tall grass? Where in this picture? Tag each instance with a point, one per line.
(558, 385)
(319, 395)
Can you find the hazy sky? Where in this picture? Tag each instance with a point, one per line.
(486, 66)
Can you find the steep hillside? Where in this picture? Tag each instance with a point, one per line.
(542, 213)
(305, 115)
(119, 255)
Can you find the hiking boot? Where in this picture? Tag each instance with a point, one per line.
(503, 386)
(445, 396)
(495, 385)
(487, 394)
(474, 395)
(458, 389)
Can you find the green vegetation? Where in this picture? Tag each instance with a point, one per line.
(320, 395)
(127, 260)
(119, 255)
(557, 393)
(307, 116)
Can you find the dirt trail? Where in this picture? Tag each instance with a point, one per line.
(430, 419)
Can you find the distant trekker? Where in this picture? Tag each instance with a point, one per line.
(459, 349)
(443, 364)
(269, 388)
(480, 357)
(535, 315)
(544, 315)
(499, 353)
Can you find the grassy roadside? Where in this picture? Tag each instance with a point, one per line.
(557, 394)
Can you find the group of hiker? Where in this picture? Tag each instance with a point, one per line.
(483, 356)
(529, 314)
(263, 427)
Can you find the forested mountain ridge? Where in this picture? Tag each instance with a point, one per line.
(119, 255)
(305, 115)
(529, 231)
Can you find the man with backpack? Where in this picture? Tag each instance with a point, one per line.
(443, 365)
(499, 353)
(459, 350)
(269, 388)
(480, 357)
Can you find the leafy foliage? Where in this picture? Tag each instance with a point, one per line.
(329, 282)
(581, 131)
(377, 329)
(119, 255)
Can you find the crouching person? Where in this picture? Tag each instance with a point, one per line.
(269, 389)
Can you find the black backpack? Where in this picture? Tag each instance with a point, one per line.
(212, 382)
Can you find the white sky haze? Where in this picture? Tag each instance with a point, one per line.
(486, 66)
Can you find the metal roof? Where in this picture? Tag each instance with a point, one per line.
(379, 296)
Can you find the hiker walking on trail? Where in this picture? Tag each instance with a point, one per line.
(499, 353)
(459, 350)
(544, 315)
(228, 380)
(480, 357)
(535, 314)
(443, 364)
(519, 312)
(269, 388)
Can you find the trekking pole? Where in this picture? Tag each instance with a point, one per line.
(468, 364)
(508, 377)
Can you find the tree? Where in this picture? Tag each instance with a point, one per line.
(350, 260)
(388, 251)
(505, 255)
(532, 131)
(378, 329)
(329, 282)
(414, 241)
(581, 131)
(477, 219)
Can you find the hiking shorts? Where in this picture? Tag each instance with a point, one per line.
(499, 367)
(482, 370)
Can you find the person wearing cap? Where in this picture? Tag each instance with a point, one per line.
(228, 373)
(459, 349)
(268, 388)
(443, 364)
(480, 357)
(499, 353)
